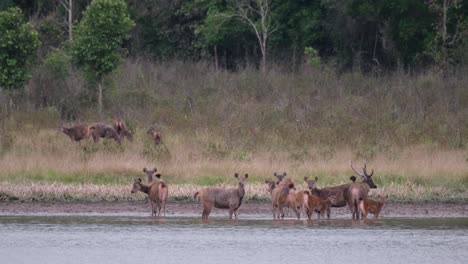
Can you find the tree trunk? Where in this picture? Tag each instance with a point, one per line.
(100, 97)
(216, 57)
(70, 20)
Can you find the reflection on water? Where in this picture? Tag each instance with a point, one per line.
(118, 239)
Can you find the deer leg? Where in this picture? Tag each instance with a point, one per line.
(231, 211)
(298, 214)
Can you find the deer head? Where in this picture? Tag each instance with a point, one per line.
(367, 178)
(150, 173)
(310, 183)
(137, 185)
(241, 178)
(280, 177)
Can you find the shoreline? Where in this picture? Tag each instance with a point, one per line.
(251, 208)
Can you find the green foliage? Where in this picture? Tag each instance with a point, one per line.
(100, 35)
(313, 56)
(18, 45)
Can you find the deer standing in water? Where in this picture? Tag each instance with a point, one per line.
(282, 195)
(223, 198)
(152, 190)
(359, 190)
(371, 206)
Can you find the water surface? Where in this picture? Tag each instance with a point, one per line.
(125, 239)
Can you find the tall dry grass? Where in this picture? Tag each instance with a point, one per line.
(411, 129)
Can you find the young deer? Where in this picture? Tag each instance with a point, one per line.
(76, 133)
(223, 198)
(359, 190)
(121, 128)
(152, 190)
(371, 206)
(313, 203)
(100, 130)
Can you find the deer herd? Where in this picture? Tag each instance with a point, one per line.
(284, 192)
(117, 131)
(284, 195)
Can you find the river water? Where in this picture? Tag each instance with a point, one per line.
(138, 239)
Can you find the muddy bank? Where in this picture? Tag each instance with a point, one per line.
(260, 209)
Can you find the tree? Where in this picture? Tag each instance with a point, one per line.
(18, 45)
(99, 37)
(256, 13)
(450, 29)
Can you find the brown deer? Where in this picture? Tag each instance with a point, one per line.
(163, 194)
(121, 128)
(280, 196)
(152, 190)
(223, 198)
(324, 193)
(76, 133)
(359, 190)
(371, 206)
(155, 134)
(313, 203)
(100, 130)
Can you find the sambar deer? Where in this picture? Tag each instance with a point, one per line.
(155, 134)
(122, 130)
(280, 195)
(313, 203)
(152, 190)
(223, 198)
(75, 133)
(101, 130)
(359, 190)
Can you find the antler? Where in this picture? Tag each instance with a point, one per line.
(365, 171)
(360, 174)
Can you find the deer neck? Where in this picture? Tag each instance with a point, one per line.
(241, 191)
(145, 188)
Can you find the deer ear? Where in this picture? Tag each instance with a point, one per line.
(305, 178)
(145, 170)
(316, 178)
(139, 179)
(158, 176)
(236, 175)
(246, 176)
(284, 173)
(155, 169)
(274, 174)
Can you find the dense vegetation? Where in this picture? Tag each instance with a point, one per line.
(294, 85)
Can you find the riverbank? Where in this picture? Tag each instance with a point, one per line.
(257, 209)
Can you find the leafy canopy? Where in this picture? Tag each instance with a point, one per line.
(100, 35)
(18, 45)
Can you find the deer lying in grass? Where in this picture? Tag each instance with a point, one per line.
(371, 206)
(121, 128)
(281, 196)
(155, 134)
(223, 198)
(359, 190)
(153, 193)
(313, 203)
(100, 130)
(76, 133)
